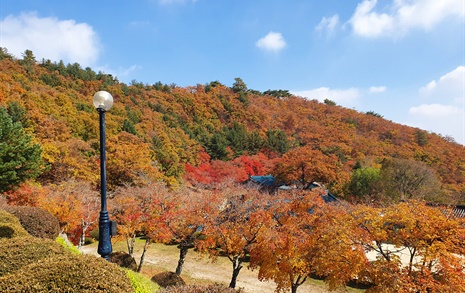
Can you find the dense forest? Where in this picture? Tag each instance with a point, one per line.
(177, 158)
(206, 133)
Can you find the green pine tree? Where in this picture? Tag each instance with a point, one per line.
(20, 157)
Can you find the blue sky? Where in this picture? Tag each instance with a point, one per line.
(403, 59)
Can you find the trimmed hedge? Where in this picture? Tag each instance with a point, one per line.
(18, 252)
(38, 222)
(10, 226)
(9, 230)
(68, 273)
(6, 217)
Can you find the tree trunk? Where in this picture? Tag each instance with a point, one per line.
(295, 284)
(237, 266)
(294, 288)
(182, 256)
(130, 242)
(142, 257)
(82, 239)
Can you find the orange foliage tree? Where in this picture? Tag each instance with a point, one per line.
(417, 248)
(181, 220)
(288, 252)
(137, 210)
(129, 161)
(73, 203)
(305, 165)
(235, 225)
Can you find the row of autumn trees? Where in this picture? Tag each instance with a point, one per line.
(288, 236)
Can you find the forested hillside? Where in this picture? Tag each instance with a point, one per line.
(206, 133)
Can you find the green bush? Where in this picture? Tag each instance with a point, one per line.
(68, 273)
(36, 221)
(18, 252)
(215, 288)
(68, 245)
(140, 283)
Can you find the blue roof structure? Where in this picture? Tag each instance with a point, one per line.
(266, 180)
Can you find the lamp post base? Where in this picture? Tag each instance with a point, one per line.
(104, 242)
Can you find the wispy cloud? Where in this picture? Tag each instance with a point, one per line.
(50, 38)
(123, 74)
(377, 89)
(328, 24)
(402, 16)
(273, 41)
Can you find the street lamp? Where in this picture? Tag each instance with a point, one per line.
(103, 102)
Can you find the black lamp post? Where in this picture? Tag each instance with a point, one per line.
(103, 102)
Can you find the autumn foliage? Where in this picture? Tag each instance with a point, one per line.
(177, 158)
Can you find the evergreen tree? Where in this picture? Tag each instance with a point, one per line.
(20, 157)
(277, 141)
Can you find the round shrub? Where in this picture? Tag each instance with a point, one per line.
(167, 279)
(22, 251)
(123, 259)
(68, 273)
(38, 222)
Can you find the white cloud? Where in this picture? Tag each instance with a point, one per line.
(402, 16)
(435, 110)
(344, 97)
(446, 113)
(50, 38)
(377, 89)
(272, 42)
(450, 86)
(328, 24)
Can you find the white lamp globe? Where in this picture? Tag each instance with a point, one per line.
(103, 100)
